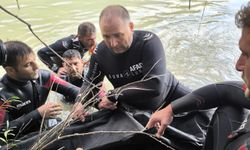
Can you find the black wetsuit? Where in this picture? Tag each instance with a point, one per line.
(144, 59)
(230, 99)
(60, 46)
(23, 115)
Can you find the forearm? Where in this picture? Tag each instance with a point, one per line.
(65, 88)
(142, 94)
(21, 123)
(45, 57)
(210, 96)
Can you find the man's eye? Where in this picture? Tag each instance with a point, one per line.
(244, 54)
(28, 64)
(117, 35)
(105, 36)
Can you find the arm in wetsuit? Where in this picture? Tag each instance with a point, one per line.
(25, 124)
(214, 95)
(60, 46)
(26, 118)
(51, 81)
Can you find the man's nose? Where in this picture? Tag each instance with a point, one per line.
(74, 68)
(240, 64)
(35, 66)
(113, 42)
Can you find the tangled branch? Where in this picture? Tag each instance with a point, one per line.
(110, 132)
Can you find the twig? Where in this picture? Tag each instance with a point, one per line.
(189, 5)
(18, 6)
(31, 30)
(150, 69)
(205, 4)
(109, 132)
(56, 131)
(43, 118)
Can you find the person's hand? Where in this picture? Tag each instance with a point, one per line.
(161, 119)
(106, 103)
(61, 71)
(79, 112)
(50, 110)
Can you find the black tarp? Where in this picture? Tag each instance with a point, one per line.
(113, 121)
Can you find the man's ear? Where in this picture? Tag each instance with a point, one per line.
(82, 61)
(10, 70)
(131, 26)
(63, 64)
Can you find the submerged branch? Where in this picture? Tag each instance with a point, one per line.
(18, 6)
(189, 4)
(203, 11)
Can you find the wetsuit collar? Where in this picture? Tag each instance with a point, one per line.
(15, 82)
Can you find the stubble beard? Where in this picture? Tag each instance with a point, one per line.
(247, 91)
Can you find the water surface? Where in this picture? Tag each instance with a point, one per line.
(199, 50)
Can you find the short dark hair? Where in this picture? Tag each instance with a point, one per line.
(242, 17)
(16, 49)
(86, 28)
(71, 53)
(117, 10)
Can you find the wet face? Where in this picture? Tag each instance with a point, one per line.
(26, 68)
(76, 68)
(88, 40)
(117, 33)
(243, 63)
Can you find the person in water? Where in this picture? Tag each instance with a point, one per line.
(229, 128)
(73, 67)
(84, 41)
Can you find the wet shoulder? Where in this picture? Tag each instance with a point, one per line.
(44, 76)
(101, 47)
(144, 36)
(6, 90)
(68, 41)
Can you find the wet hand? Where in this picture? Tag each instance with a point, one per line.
(106, 103)
(50, 110)
(78, 112)
(160, 120)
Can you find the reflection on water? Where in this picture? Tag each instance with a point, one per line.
(198, 50)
